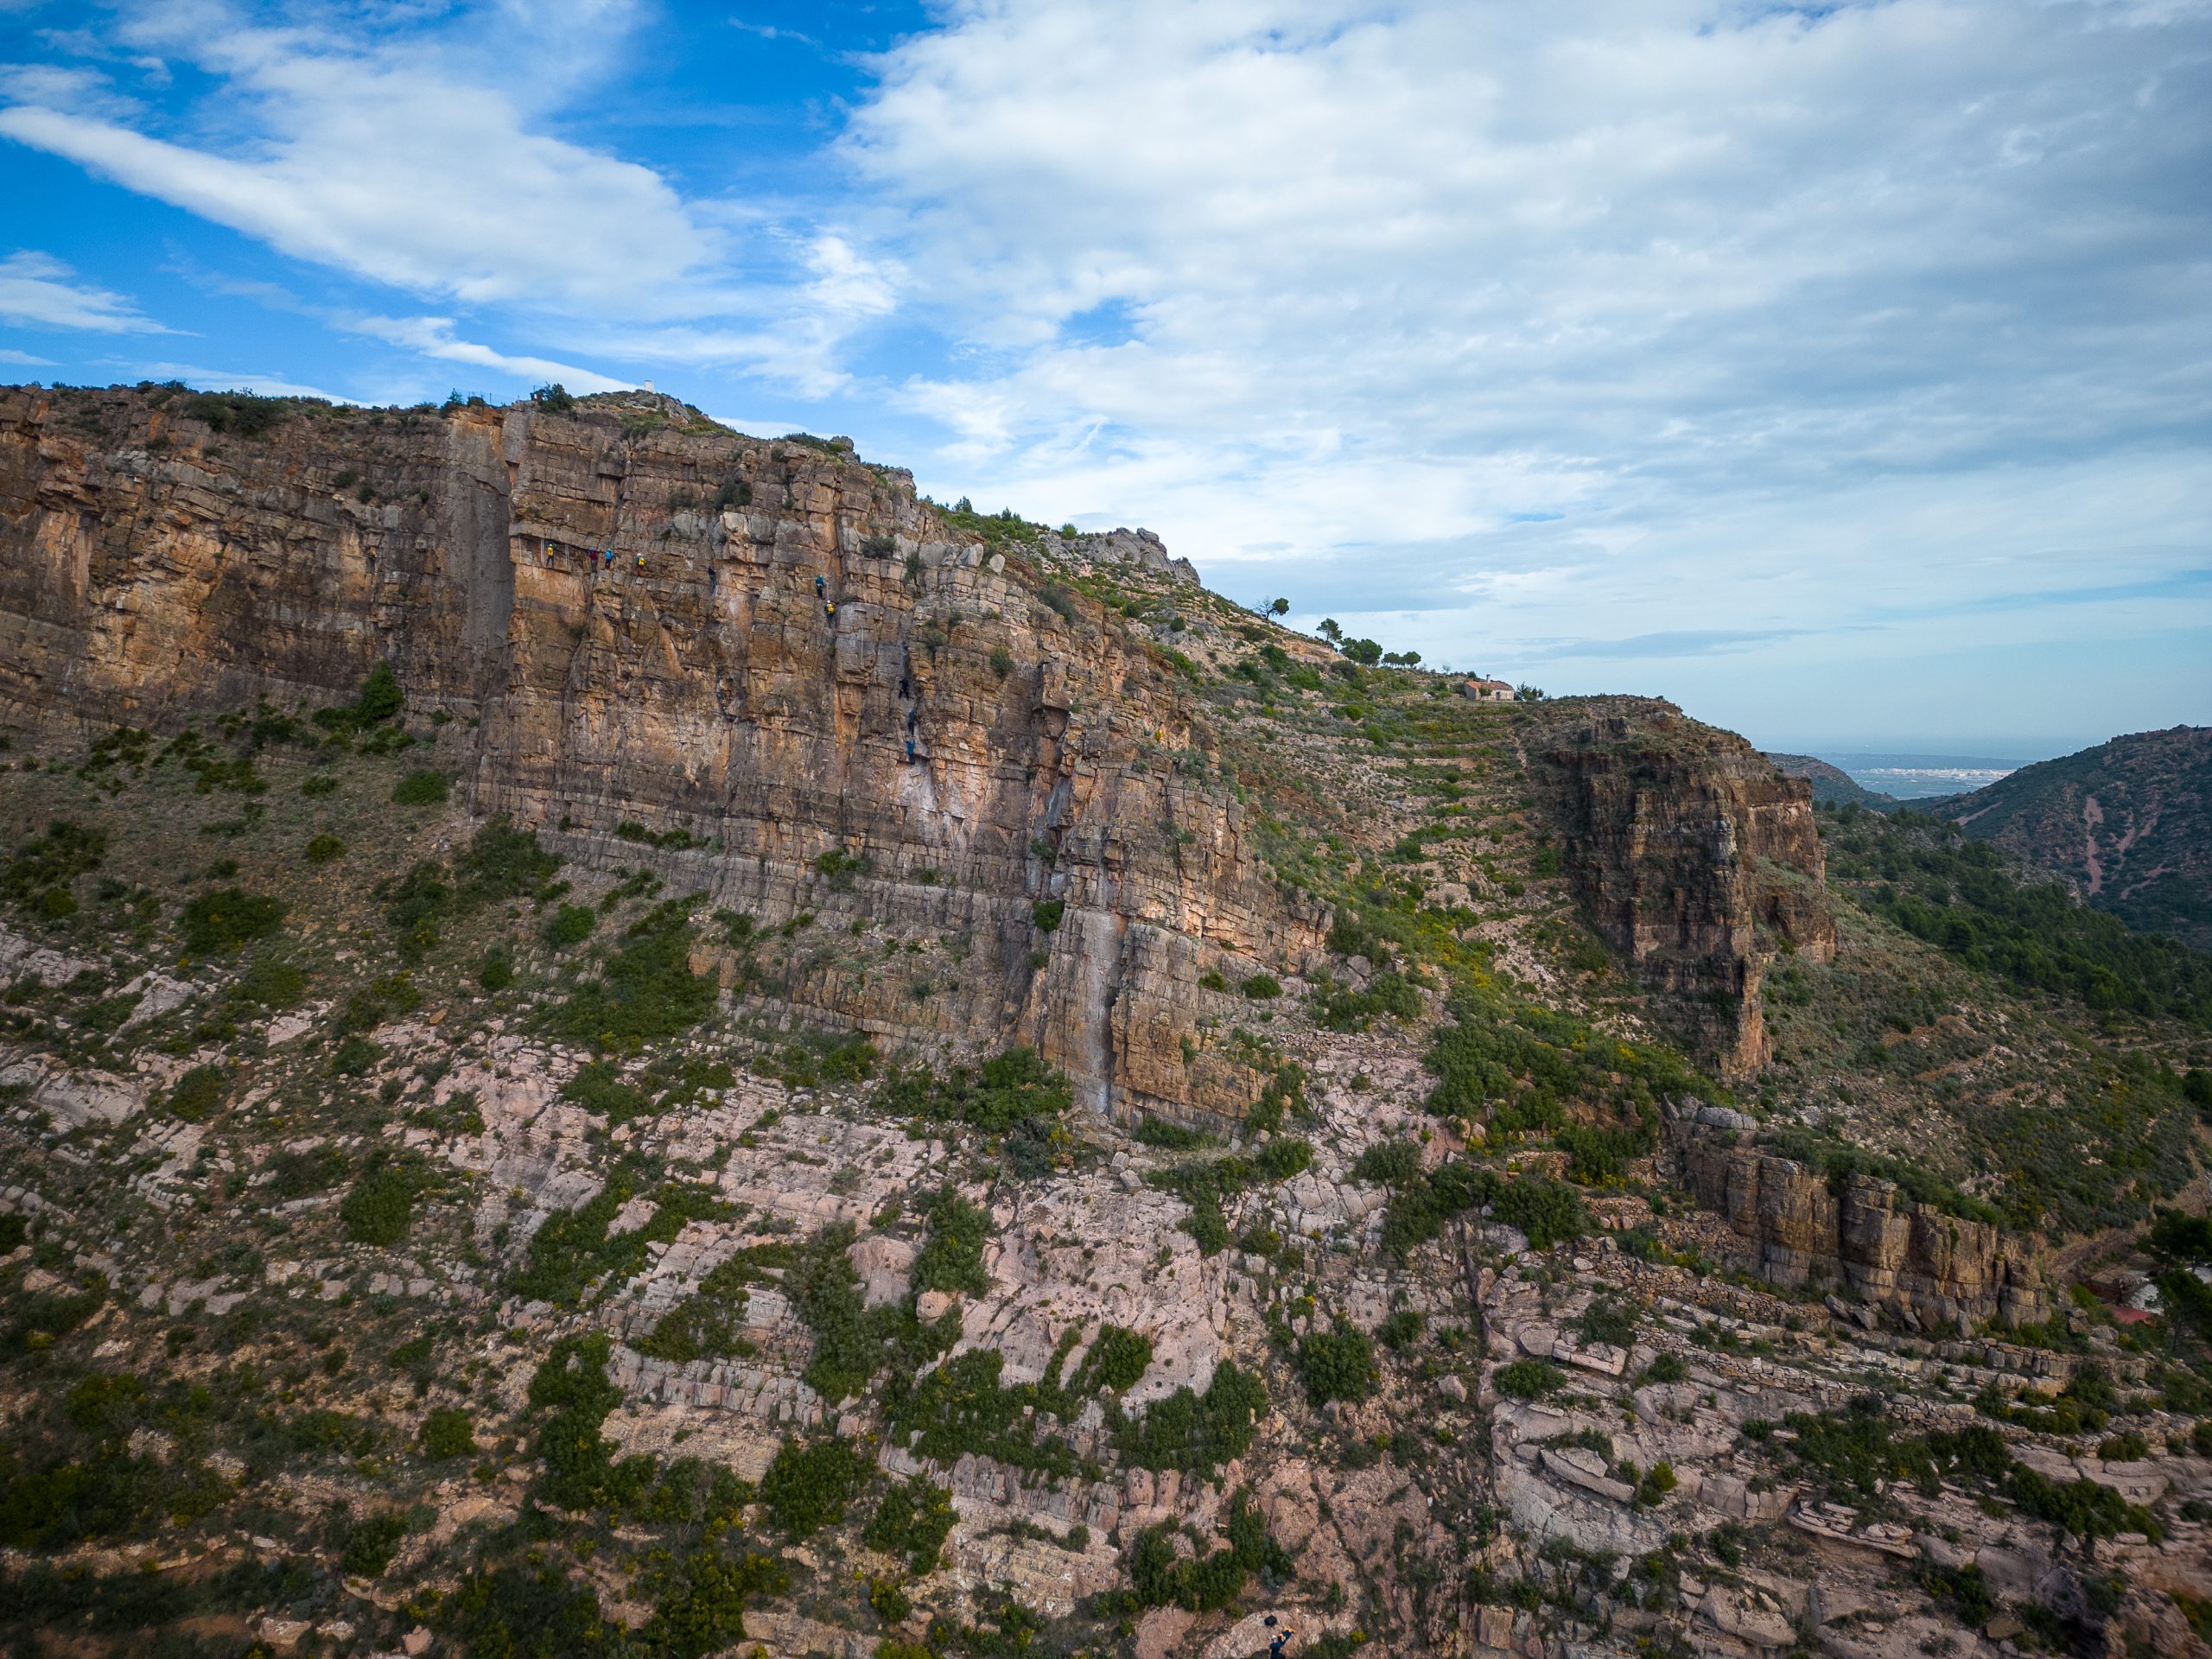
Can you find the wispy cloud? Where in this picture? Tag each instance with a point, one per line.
(38, 289)
(433, 337)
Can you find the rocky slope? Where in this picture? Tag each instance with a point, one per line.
(2129, 824)
(572, 1145)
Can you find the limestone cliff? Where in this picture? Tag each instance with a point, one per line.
(627, 615)
(1693, 856)
(1865, 1237)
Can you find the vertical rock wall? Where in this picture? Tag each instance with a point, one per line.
(1691, 855)
(152, 571)
(1865, 1238)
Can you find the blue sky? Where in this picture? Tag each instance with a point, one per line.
(1842, 372)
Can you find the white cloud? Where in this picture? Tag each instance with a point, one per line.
(401, 162)
(1774, 307)
(433, 337)
(9, 354)
(40, 290)
(266, 383)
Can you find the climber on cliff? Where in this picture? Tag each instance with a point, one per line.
(829, 610)
(910, 751)
(641, 564)
(821, 588)
(1279, 1641)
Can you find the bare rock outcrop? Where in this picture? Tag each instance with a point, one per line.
(1939, 1271)
(1694, 857)
(782, 676)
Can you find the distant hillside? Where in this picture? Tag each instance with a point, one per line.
(2129, 823)
(1833, 785)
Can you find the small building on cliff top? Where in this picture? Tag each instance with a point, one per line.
(1483, 690)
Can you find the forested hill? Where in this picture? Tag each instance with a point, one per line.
(2129, 823)
(1832, 785)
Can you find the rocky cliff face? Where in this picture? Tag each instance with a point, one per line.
(1935, 1271)
(633, 617)
(1694, 857)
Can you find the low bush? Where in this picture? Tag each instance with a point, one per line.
(571, 924)
(646, 992)
(198, 1094)
(371, 1544)
(951, 1257)
(228, 920)
(422, 789)
(1337, 1364)
(1161, 1576)
(381, 1204)
(808, 1487)
(914, 1520)
(1528, 1379)
(1193, 1433)
(447, 1433)
(320, 849)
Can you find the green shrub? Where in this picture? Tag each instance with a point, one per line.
(1195, 1433)
(706, 1324)
(1159, 1576)
(598, 1087)
(1608, 1321)
(571, 924)
(320, 849)
(808, 1487)
(1046, 914)
(1390, 1163)
(497, 971)
(647, 991)
(271, 984)
(228, 920)
(951, 1257)
(1014, 1088)
(503, 862)
(1263, 987)
(422, 789)
(354, 1057)
(572, 1248)
(46, 865)
(913, 1521)
(1528, 1379)
(1203, 1184)
(1001, 661)
(702, 1611)
(381, 1204)
(198, 1094)
(514, 1611)
(1159, 1132)
(240, 414)
(447, 1433)
(320, 785)
(1402, 1329)
(1117, 1360)
(1665, 1368)
(571, 1387)
(1337, 1364)
(371, 1544)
